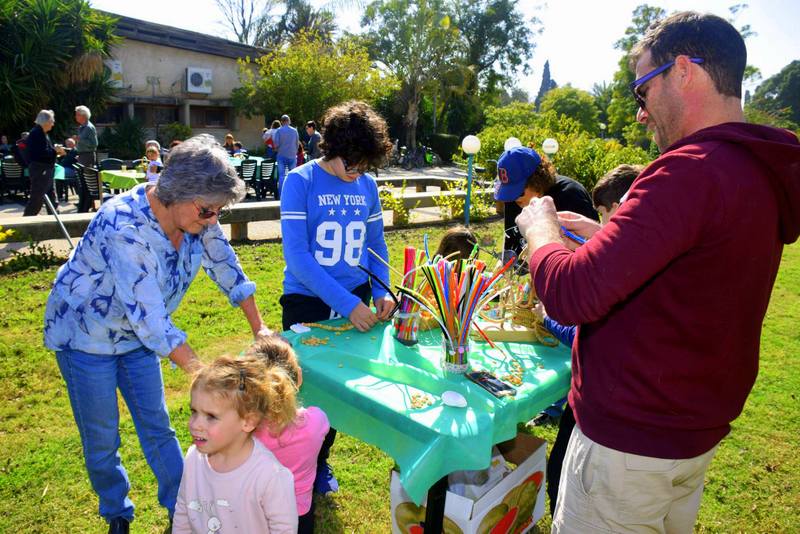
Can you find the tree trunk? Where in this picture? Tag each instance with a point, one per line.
(411, 118)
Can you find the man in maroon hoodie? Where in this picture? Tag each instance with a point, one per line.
(672, 292)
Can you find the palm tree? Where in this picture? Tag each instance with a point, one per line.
(51, 49)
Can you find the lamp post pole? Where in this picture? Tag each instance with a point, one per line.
(470, 145)
(469, 190)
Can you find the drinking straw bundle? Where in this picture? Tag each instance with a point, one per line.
(459, 289)
(406, 323)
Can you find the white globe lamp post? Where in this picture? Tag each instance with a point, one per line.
(470, 145)
(510, 143)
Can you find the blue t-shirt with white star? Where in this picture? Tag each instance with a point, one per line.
(327, 226)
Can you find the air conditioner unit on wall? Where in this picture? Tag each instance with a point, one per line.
(198, 80)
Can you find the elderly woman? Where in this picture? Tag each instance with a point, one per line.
(109, 320)
(41, 156)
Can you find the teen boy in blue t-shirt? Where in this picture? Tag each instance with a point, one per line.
(330, 216)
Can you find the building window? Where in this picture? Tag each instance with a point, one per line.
(113, 114)
(151, 116)
(208, 117)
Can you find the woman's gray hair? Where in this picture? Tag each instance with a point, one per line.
(83, 110)
(45, 116)
(199, 168)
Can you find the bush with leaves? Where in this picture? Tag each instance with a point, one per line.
(52, 57)
(125, 140)
(172, 131)
(445, 145)
(307, 77)
(401, 216)
(481, 203)
(37, 257)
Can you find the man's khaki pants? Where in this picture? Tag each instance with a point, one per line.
(604, 490)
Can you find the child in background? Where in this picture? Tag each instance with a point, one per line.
(238, 149)
(457, 239)
(330, 215)
(153, 164)
(607, 196)
(297, 443)
(230, 481)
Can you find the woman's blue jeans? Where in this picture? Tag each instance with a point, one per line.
(92, 383)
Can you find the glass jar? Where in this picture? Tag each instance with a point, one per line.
(455, 359)
(406, 327)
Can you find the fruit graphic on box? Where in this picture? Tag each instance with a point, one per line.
(410, 519)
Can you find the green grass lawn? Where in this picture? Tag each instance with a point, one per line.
(753, 484)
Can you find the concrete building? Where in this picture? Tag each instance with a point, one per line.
(165, 75)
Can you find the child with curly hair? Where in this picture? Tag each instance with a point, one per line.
(295, 443)
(231, 481)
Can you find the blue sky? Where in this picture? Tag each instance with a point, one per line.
(578, 35)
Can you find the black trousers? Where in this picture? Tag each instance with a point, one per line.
(304, 309)
(87, 159)
(41, 175)
(556, 460)
(305, 522)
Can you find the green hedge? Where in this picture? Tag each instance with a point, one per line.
(580, 155)
(445, 145)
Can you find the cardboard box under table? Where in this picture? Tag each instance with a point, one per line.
(390, 396)
(513, 505)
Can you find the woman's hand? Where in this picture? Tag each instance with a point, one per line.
(185, 358)
(362, 317)
(384, 307)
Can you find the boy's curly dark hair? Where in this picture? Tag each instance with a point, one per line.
(356, 133)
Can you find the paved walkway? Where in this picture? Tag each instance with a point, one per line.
(257, 231)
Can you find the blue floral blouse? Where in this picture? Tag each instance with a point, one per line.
(116, 292)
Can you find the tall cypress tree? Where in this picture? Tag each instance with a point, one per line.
(547, 84)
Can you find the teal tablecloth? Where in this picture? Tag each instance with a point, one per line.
(364, 382)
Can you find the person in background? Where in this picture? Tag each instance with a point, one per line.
(523, 174)
(285, 139)
(296, 442)
(109, 314)
(667, 349)
(314, 139)
(229, 144)
(87, 137)
(239, 150)
(267, 137)
(41, 156)
(301, 155)
(458, 239)
(153, 164)
(70, 176)
(19, 149)
(230, 481)
(5, 146)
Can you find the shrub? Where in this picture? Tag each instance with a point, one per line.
(580, 155)
(401, 215)
(175, 130)
(452, 207)
(445, 145)
(125, 141)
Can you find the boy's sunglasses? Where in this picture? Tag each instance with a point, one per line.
(635, 84)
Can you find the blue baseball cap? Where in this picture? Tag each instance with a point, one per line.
(514, 168)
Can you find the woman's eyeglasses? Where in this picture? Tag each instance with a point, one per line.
(206, 213)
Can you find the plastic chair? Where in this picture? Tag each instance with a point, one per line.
(269, 180)
(247, 172)
(12, 178)
(111, 164)
(91, 188)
